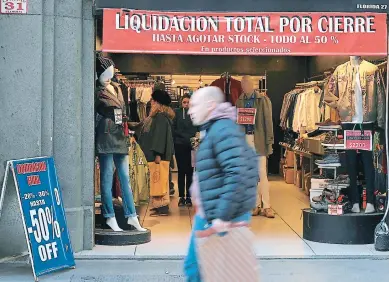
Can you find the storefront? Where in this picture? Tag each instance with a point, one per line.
(293, 57)
(301, 45)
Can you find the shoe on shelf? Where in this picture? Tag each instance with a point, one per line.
(181, 202)
(330, 194)
(188, 202)
(269, 213)
(331, 160)
(256, 211)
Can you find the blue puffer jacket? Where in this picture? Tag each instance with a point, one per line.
(226, 167)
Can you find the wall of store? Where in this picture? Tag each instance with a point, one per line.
(47, 86)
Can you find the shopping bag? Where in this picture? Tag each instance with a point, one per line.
(229, 258)
(159, 178)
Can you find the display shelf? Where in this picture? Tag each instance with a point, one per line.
(347, 229)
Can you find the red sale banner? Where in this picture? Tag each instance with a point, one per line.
(203, 33)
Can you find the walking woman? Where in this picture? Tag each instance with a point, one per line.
(156, 141)
(184, 130)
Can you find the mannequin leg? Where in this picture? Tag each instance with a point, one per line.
(122, 166)
(351, 162)
(106, 180)
(264, 189)
(367, 159)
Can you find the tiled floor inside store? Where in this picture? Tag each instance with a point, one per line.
(279, 238)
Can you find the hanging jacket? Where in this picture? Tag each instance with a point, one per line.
(139, 174)
(183, 128)
(234, 90)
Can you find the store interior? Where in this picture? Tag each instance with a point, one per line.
(290, 167)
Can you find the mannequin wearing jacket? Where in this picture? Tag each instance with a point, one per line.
(355, 89)
(260, 136)
(111, 145)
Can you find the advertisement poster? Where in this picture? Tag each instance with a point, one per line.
(244, 33)
(43, 215)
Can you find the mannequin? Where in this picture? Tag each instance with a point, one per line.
(260, 136)
(111, 145)
(356, 91)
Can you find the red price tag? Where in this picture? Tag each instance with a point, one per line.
(13, 7)
(246, 115)
(358, 140)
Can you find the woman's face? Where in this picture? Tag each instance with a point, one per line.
(185, 103)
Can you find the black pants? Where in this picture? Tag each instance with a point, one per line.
(185, 169)
(352, 168)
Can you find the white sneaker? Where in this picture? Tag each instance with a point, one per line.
(370, 208)
(135, 222)
(356, 208)
(111, 222)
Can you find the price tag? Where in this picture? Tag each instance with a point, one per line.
(118, 116)
(358, 140)
(13, 7)
(246, 115)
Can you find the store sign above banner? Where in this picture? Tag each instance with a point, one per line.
(302, 34)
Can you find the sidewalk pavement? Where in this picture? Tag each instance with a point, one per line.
(293, 270)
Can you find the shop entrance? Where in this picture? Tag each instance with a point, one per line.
(282, 72)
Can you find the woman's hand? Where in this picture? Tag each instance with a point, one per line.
(157, 159)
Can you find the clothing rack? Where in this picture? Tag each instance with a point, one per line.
(310, 84)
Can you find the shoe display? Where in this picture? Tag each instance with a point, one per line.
(331, 160)
(323, 204)
(181, 202)
(330, 194)
(188, 202)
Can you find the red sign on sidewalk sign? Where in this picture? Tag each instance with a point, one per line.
(13, 7)
(244, 33)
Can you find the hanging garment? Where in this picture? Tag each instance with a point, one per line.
(234, 88)
(133, 106)
(139, 174)
(142, 111)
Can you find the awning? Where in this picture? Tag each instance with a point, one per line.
(250, 5)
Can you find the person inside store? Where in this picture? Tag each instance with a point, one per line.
(224, 184)
(260, 136)
(156, 141)
(356, 90)
(184, 130)
(111, 144)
